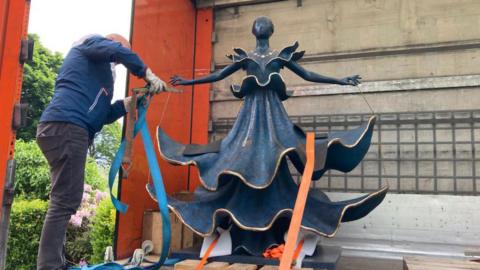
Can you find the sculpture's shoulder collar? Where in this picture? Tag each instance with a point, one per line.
(290, 53)
(287, 54)
(240, 54)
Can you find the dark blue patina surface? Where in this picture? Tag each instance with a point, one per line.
(246, 182)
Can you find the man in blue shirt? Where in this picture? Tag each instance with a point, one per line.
(80, 106)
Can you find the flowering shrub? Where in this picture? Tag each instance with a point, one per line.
(32, 182)
(78, 245)
(91, 198)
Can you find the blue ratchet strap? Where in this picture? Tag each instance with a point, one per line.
(105, 266)
(141, 126)
(117, 160)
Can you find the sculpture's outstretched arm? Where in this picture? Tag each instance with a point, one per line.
(213, 77)
(314, 77)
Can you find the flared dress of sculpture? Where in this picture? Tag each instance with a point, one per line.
(246, 184)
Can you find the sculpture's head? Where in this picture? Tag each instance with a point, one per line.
(262, 27)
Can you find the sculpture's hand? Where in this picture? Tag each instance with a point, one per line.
(351, 80)
(177, 80)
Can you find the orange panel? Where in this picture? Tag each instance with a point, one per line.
(3, 25)
(13, 27)
(163, 36)
(201, 98)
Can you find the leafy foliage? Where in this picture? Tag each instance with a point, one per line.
(32, 179)
(26, 223)
(93, 177)
(106, 144)
(38, 84)
(78, 246)
(102, 230)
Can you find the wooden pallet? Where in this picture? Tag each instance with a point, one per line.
(325, 257)
(192, 265)
(432, 263)
(182, 237)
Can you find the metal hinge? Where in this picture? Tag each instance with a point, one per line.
(8, 195)
(19, 116)
(26, 50)
(8, 191)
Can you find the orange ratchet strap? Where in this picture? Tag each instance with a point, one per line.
(131, 119)
(296, 222)
(297, 251)
(207, 253)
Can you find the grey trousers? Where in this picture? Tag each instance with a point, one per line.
(65, 146)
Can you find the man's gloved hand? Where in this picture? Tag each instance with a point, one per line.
(156, 84)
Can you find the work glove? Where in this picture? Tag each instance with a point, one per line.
(156, 84)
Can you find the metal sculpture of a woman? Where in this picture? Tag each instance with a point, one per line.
(246, 184)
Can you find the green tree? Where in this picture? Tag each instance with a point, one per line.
(106, 144)
(93, 176)
(32, 176)
(38, 85)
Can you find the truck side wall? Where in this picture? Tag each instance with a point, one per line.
(417, 58)
(13, 27)
(172, 37)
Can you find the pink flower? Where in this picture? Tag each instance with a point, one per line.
(83, 263)
(85, 197)
(100, 196)
(84, 213)
(87, 188)
(76, 220)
